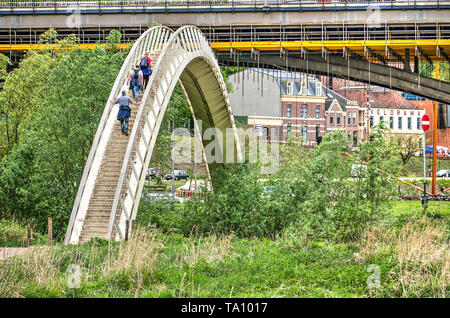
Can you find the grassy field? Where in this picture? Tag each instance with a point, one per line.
(410, 252)
(414, 167)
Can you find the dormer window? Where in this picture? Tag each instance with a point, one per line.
(303, 86)
(289, 88)
(318, 89)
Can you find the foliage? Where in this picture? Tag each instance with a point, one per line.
(13, 234)
(328, 200)
(179, 115)
(411, 255)
(113, 40)
(39, 179)
(22, 90)
(407, 147)
(227, 71)
(429, 70)
(68, 42)
(4, 63)
(313, 192)
(48, 37)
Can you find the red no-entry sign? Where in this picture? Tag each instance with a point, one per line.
(425, 122)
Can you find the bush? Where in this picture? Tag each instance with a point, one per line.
(327, 201)
(312, 193)
(13, 234)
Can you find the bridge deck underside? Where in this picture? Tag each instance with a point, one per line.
(376, 51)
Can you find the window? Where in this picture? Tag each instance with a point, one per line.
(381, 118)
(266, 132)
(305, 133)
(318, 89)
(371, 121)
(354, 118)
(338, 119)
(288, 130)
(317, 112)
(400, 123)
(289, 108)
(304, 111)
(391, 122)
(409, 123)
(349, 121)
(332, 119)
(317, 132)
(419, 122)
(304, 86)
(289, 88)
(355, 138)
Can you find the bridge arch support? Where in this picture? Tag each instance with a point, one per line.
(110, 190)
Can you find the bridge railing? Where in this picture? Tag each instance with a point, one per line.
(265, 4)
(176, 50)
(94, 159)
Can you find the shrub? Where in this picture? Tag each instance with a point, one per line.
(13, 234)
(320, 191)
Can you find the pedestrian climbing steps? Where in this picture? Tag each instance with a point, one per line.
(97, 216)
(113, 179)
(100, 205)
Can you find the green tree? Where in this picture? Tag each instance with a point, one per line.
(56, 143)
(407, 146)
(22, 89)
(4, 63)
(113, 40)
(427, 69)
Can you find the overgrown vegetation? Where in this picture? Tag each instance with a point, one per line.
(52, 104)
(410, 252)
(306, 194)
(316, 228)
(13, 234)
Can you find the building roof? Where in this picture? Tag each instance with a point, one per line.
(378, 99)
(331, 96)
(282, 77)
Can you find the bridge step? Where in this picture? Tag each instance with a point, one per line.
(96, 221)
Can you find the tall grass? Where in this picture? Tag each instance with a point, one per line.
(114, 267)
(422, 253)
(413, 256)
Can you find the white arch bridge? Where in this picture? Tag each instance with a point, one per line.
(113, 179)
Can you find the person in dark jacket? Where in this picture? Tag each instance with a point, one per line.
(145, 65)
(124, 111)
(135, 81)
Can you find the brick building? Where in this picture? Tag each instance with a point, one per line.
(401, 116)
(342, 113)
(292, 104)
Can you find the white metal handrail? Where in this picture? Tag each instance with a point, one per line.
(185, 44)
(135, 52)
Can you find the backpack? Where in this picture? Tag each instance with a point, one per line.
(144, 63)
(136, 74)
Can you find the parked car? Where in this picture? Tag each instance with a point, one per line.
(179, 175)
(443, 173)
(151, 173)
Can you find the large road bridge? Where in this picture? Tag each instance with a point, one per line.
(22, 20)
